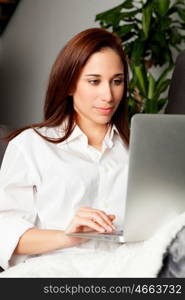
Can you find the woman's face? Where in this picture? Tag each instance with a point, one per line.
(99, 88)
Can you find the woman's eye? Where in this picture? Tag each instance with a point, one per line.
(94, 81)
(118, 81)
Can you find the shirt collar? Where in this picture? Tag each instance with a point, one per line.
(78, 133)
(109, 137)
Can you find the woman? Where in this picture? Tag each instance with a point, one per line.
(68, 173)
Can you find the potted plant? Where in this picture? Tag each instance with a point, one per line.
(149, 30)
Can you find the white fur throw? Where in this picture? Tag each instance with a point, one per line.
(142, 259)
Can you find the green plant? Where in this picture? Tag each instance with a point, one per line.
(149, 30)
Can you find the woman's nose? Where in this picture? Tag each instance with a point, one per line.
(107, 93)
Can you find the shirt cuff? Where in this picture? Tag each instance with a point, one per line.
(10, 234)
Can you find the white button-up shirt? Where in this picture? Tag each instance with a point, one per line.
(42, 184)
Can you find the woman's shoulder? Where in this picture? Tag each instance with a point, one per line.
(30, 136)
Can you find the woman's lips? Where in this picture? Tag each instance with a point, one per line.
(104, 111)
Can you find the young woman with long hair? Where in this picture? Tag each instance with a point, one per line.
(68, 173)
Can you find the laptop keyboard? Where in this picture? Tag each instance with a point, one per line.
(117, 232)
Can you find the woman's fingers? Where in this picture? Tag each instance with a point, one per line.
(107, 219)
(82, 224)
(98, 217)
(111, 217)
(91, 224)
(90, 219)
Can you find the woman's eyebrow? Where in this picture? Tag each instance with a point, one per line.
(98, 75)
(95, 75)
(119, 74)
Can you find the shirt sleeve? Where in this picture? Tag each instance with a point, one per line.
(17, 205)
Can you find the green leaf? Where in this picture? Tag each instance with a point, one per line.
(127, 4)
(161, 102)
(109, 17)
(175, 36)
(123, 30)
(177, 48)
(181, 13)
(103, 15)
(125, 39)
(129, 15)
(137, 51)
(179, 2)
(132, 107)
(164, 23)
(113, 16)
(132, 104)
(168, 55)
(159, 38)
(151, 86)
(162, 87)
(141, 78)
(150, 106)
(146, 19)
(162, 6)
(163, 75)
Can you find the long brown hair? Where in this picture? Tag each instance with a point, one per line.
(64, 76)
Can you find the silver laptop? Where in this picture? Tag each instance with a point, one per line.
(156, 177)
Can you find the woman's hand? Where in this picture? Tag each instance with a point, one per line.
(89, 219)
(38, 241)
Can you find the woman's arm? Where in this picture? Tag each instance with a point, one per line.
(38, 241)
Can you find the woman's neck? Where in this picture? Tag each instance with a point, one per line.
(94, 132)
